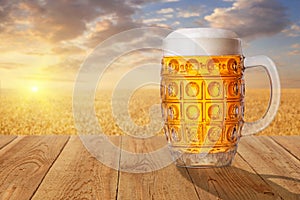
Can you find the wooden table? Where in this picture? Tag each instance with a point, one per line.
(60, 167)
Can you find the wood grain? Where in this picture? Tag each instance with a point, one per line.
(6, 139)
(78, 175)
(290, 143)
(235, 182)
(275, 165)
(25, 163)
(56, 167)
(144, 155)
(166, 183)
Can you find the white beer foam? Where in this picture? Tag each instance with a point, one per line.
(201, 41)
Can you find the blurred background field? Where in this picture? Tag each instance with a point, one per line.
(41, 114)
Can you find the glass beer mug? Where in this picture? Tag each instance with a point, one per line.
(202, 95)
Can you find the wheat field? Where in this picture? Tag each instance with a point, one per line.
(52, 113)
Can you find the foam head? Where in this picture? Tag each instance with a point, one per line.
(201, 41)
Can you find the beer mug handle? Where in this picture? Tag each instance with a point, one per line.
(250, 128)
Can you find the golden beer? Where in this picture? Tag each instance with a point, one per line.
(202, 102)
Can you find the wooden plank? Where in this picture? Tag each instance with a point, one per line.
(139, 154)
(290, 143)
(238, 181)
(6, 139)
(24, 165)
(166, 183)
(78, 175)
(275, 165)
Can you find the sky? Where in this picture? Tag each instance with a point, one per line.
(43, 43)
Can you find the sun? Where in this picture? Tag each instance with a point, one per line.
(34, 89)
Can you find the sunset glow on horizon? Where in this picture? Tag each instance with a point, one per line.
(46, 42)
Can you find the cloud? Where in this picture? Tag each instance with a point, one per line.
(84, 23)
(292, 31)
(161, 25)
(190, 11)
(69, 64)
(165, 11)
(250, 19)
(295, 49)
(168, 16)
(57, 21)
(199, 22)
(187, 14)
(11, 65)
(48, 21)
(167, 1)
(176, 23)
(67, 19)
(295, 46)
(88, 22)
(294, 52)
(153, 20)
(67, 50)
(96, 37)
